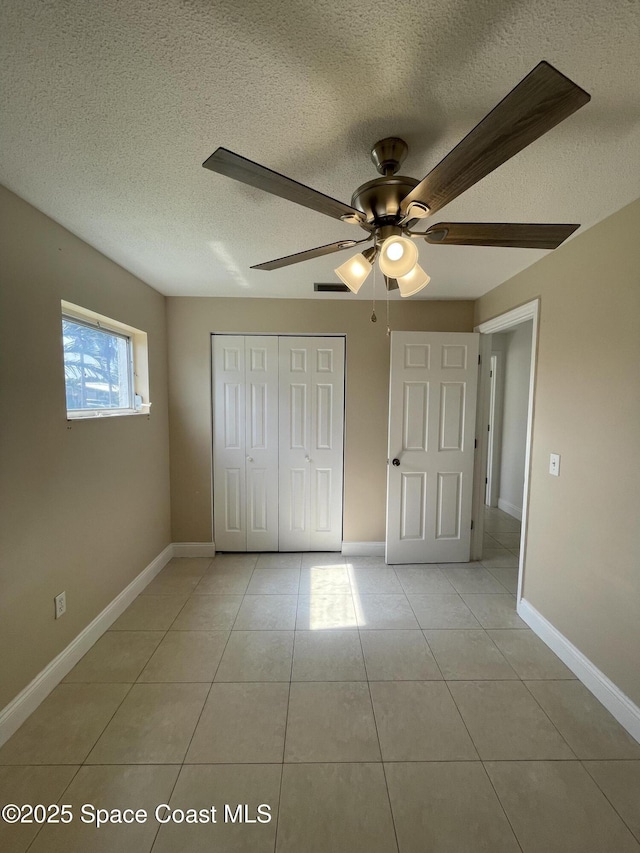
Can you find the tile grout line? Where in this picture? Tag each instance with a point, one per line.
(464, 722)
(59, 800)
(598, 786)
(481, 760)
(422, 631)
(83, 762)
(375, 723)
(560, 735)
(500, 652)
(472, 740)
(181, 765)
(110, 720)
(286, 718)
(166, 632)
(277, 763)
(422, 628)
(504, 811)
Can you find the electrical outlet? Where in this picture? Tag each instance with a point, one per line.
(61, 604)
(554, 464)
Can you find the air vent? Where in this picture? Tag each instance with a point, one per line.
(331, 287)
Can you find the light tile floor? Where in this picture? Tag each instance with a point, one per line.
(371, 708)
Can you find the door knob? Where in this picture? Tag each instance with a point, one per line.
(396, 462)
(307, 459)
(249, 458)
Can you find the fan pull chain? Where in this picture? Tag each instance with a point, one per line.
(374, 319)
(388, 325)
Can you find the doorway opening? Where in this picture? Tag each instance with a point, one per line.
(504, 419)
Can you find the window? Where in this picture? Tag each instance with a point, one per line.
(101, 365)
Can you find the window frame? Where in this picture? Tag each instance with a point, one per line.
(137, 363)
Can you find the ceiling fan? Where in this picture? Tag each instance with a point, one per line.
(388, 207)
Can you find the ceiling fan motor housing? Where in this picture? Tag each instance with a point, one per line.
(380, 199)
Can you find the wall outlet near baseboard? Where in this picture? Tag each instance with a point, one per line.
(61, 604)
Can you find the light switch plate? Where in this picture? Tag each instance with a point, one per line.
(554, 464)
(61, 604)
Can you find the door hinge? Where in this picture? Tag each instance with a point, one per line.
(472, 524)
(475, 444)
(479, 359)
(486, 481)
(488, 427)
(491, 374)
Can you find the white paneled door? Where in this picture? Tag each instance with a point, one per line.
(311, 443)
(278, 442)
(432, 406)
(245, 444)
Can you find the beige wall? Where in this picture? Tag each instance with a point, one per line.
(582, 569)
(85, 505)
(190, 323)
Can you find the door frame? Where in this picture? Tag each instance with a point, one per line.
(212, 414)
(492, 444)
(502, 323)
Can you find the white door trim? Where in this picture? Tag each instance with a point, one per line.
(495, 428)
(528, 311)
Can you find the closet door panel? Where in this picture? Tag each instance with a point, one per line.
(311, 443)
(326, 463)
(229, 463)
(261, 388)
(294, 390)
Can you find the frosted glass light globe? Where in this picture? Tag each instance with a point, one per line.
(398, 256)
(354, 271)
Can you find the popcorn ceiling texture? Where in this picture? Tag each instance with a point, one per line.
(110, 108)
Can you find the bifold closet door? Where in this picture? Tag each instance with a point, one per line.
(245, 444)
(311, 443)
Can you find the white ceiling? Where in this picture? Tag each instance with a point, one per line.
(110, 108)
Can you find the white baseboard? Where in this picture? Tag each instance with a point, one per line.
(194, 549)
(511, 509)
(614, 700)
(363, 549)
(25, 703)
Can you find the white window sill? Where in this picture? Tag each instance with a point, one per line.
(92, 416)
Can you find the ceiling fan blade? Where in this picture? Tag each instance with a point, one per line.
(511, 234)
(309, 254)
(240, 169)
(543, 99)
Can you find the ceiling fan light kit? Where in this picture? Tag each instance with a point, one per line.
(354, 272)
(398, 256)
(387, 207)
(413, 281)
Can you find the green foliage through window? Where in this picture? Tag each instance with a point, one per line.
(97, 367)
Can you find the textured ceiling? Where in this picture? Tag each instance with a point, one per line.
(109, 109)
